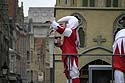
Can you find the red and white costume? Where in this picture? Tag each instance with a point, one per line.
(119, 60)
(71, 41)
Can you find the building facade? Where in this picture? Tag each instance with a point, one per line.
(38, 61)
(98, 21)
(4, 38)
(18, 44)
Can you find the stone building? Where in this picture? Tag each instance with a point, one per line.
(38, 61)
(98, 21)
(17, 49)
(4, 38)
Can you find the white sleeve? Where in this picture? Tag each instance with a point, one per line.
(67, 32)
(54, 25)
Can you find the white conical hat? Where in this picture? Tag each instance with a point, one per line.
(72, 21)
(120, 34)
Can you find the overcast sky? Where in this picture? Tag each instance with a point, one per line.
(36, 3)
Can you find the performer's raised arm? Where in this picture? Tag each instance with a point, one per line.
(70, 42)
(61, 29)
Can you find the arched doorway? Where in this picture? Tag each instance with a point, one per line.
(84, 72)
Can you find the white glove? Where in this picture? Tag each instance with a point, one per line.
(54, 25)
(67, 32)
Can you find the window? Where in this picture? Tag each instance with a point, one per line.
(81, 37)
(115, 3)
(111, 3)
(31, 56)
(92, 3)
(28, 55)
(85, 3)
(66, 1)
(73, 2)
(108, 3)
(59, 1)
(88, 3)
(82, 28)
(119, 23)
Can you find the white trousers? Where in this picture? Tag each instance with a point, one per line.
(119, 76)
(74, 72)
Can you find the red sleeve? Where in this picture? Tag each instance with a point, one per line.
(60, 30)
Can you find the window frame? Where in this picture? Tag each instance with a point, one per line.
(112, 3)
(89, 3)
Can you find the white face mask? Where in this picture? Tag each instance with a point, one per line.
(63, 24)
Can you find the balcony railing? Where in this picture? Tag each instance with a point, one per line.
(105, 67)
